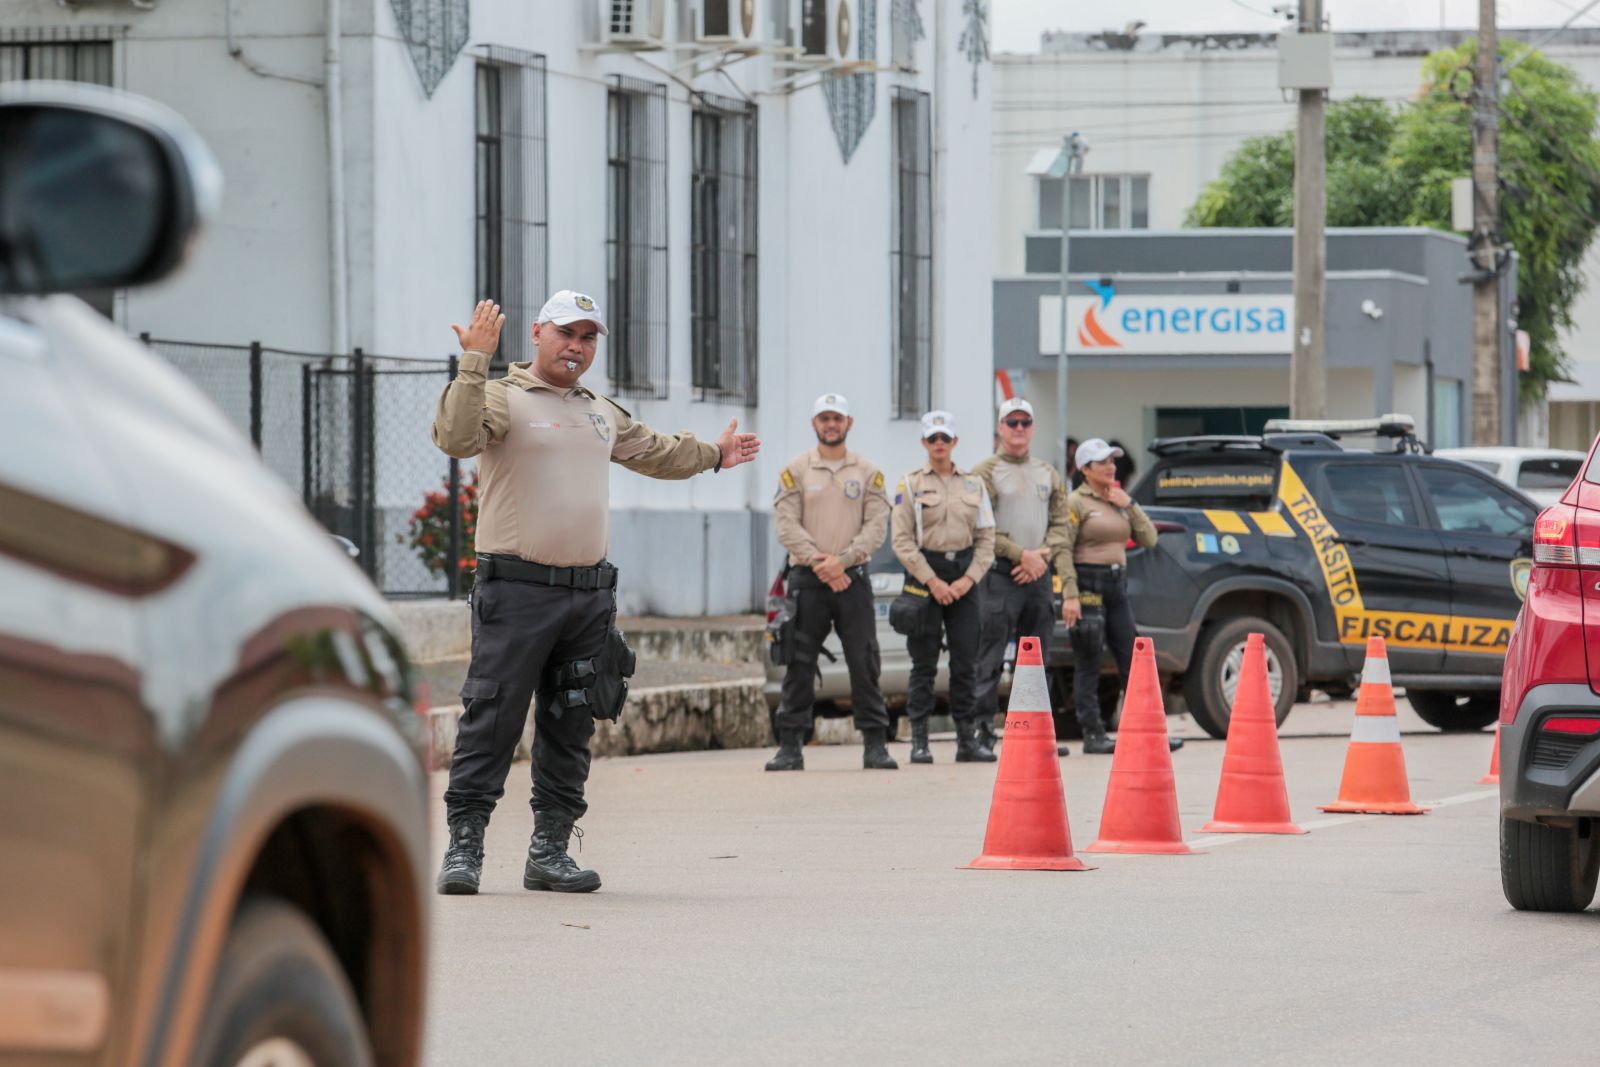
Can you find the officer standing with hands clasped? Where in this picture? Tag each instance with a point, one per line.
(544, 597)
(831, 512)
(944, 536)
(1030, 514)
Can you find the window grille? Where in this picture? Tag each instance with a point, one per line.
(512, 199)
(722, 284)
(911, 254)
(636, 238)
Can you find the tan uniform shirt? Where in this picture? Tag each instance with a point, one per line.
(544, 489)
(1030, 507)
(1099, 533)
(955, 514)
(838, 507)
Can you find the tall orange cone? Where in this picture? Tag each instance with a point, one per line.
(1493, 777)
(1028, 828)
(1375, 765)
(1252, 797)
(1141, 809)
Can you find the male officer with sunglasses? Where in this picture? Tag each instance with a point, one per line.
(1031, 519)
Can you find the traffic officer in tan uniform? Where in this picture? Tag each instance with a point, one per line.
(1094, 584)
(944, 536)
(544, 597)
(831, 512)
(1030, 516)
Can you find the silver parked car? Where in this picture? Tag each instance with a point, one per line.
(1543, 474)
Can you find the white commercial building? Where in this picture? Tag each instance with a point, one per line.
(772, 199)
(1163, 112)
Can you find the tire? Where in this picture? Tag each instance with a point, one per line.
(1453, 712)
(1548, 868)
(1209, 684)
(279, 996)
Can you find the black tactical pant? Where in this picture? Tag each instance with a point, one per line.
(961, 622)
(1107, 620)
(1010, 610)
(519, 631)
(818, 609)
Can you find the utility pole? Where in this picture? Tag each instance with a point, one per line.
(1308, 377)
(1486, 332)
(1073, 149)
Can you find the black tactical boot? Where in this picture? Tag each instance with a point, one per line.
(986, 732)
(1063, 750)
(969, 744)
(919, 743)
(874, 753)
(1095, 741)
(549, 866)
(463, 858)
(789, 757)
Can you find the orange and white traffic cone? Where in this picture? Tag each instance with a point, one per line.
(1493, 777)
(1375, 765)
(1028, 828)
(1141, 809)
(1252, 797)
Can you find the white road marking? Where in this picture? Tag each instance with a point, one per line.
(1218, 840)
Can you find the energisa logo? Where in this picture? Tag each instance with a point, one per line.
(1185, 320)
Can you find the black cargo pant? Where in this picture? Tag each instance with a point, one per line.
(818, 609)
(961, 622)
(1107, 620)
(1010, 610)
(519, 630)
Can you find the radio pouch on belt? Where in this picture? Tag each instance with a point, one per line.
(914, 612)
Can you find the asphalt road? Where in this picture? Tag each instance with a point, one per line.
(824, 916)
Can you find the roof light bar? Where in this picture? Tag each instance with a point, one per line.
(1393, 424)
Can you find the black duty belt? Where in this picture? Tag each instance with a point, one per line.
(1112, 569)
(509, 568)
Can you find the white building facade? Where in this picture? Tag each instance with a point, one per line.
(772, 199)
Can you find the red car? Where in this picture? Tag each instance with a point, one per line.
(1550, 713)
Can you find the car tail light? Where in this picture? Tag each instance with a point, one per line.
(1572, 724)
(1555, 537)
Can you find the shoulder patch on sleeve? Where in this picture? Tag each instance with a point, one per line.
(786, 479)
(877, 481)
(616, 405)
(899, 493)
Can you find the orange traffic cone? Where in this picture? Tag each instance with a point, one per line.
(1252, 797)
(1375, 764)
(1028, 828)
(1141, 809)
(1493, 777)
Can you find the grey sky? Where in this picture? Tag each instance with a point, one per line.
(1018, 23)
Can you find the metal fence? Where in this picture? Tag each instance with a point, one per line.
(352, 434)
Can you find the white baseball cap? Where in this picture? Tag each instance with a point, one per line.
(834, 402)
(568, 306)
(938, 422)
(1016, 403)
(1094, 450)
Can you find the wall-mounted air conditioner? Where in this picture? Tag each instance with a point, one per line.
(633, 25)
(827, 30)
(722, 22)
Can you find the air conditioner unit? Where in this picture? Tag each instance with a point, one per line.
(722, 22)
(827, 30)
(633, 25)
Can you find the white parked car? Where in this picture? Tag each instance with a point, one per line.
(1543, 474)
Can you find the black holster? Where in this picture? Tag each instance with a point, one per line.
(784, 610)
(599, 684)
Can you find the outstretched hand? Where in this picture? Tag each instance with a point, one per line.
(737, 447)
(483, 329)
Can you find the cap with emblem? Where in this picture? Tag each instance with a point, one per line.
(938, 422)
(1094, 450)
(834, 402)
(1016, 403)
(568, 306)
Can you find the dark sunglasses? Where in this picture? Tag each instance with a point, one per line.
(1019, 424)
(939, 438)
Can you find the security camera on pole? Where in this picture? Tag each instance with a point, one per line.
(1305, 64)
(1073, 148)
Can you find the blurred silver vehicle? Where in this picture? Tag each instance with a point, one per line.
(1542, 474)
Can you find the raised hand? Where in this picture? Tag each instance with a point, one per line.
(483, 329)
(737, 447)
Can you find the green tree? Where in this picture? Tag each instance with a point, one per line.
(1393, 167)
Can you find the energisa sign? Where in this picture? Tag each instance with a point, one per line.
(1106, 323)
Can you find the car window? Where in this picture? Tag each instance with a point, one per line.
(1466, 503)
(1548, 473)
(1370, 492)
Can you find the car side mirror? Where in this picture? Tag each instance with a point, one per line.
(98, 189)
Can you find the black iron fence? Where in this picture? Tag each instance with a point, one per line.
(352, 434)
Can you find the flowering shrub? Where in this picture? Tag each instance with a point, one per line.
(429, 531)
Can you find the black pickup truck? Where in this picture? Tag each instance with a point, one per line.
(1319, 546)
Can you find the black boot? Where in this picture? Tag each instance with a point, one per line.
(919, 743)
(1063, 750)
(789, 757)
(1095, 741)
(463, 858)
(969, 744)
(986, 732)
(875, 753)
(549, 866)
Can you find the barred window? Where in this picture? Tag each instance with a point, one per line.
(636, 238)
(722, 281)
(511, 198)
(911, 254)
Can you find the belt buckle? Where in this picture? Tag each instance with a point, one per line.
(951, 556)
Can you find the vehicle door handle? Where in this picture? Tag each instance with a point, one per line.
(1353, 542)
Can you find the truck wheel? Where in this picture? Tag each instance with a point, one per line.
(1548, 868)
(1213, 675)
(1454, 711)
(280, 996)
